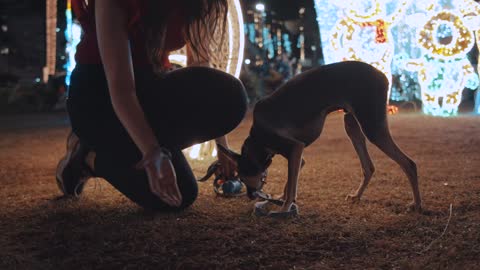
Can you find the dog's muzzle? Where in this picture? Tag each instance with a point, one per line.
(253, 192)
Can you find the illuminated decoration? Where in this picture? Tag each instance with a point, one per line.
(229, 59)
(73, 34)
(301, 42)
(278, 39)
(51, 39)
(445, 35)
(477, 96)
(268, 42)
(405, 85)
(423, 44)
(251, 32)
(359, 30)
(287, 44)
(392, 109)
(271, 40)
(444, 71)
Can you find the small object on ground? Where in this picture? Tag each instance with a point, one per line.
(265, 209)
(232, 187)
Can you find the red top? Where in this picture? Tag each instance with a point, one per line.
(87, 49)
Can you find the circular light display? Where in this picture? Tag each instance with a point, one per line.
(423, 43)
(445, 35)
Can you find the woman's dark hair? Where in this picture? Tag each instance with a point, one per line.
(203, 19)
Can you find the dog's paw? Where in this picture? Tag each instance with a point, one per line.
(292, 212)
(353, 198)
(413, 207)
(266, 209)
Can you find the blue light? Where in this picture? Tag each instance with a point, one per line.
(287, 44)
(73, 34)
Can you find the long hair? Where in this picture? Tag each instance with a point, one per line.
(203, 19)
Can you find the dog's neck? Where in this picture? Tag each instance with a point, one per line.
(257, 150)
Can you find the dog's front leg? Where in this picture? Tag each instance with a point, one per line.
(285, 189)
(294, 164)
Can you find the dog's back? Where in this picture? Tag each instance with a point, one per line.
(311, 95)
(328, 87)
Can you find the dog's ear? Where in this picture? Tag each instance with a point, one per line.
(232, 156)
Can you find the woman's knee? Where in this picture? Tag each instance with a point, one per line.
(229, 95)
(232, 103)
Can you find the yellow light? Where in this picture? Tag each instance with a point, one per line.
(51, 39)
(463, 39)
(445, 70)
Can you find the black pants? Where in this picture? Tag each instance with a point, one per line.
(184, 107)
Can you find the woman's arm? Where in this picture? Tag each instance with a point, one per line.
(113, 42)
(111, 23)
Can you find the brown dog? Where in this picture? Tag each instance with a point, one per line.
(292, 118)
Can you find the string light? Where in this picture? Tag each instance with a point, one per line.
(361, 31)
(444, 70)
(423, 43)
(73, 33)
(477, 97)
(445, 35)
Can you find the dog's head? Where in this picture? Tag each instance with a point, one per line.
(251, 165)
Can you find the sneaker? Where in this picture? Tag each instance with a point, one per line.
(72, 171)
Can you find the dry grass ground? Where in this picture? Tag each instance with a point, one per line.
(103, 230)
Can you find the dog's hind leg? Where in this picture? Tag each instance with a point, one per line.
(355, 134)
(379, 134)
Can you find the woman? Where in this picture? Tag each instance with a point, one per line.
(131, 116)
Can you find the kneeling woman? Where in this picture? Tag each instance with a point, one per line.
(131, 117)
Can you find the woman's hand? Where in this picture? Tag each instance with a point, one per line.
(161, 176)
(228, 167)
